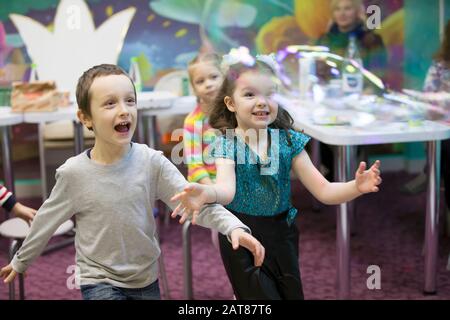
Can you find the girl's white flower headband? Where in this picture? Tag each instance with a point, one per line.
(242, 55)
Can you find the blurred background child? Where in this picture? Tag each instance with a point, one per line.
(206, 78)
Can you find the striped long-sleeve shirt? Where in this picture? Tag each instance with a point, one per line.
(198, 136)
(7, 199)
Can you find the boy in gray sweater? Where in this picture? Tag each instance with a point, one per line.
(111, 190)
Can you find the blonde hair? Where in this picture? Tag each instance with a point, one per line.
(357, 4)
(212, 58)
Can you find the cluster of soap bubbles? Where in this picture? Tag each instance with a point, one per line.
(228, 25)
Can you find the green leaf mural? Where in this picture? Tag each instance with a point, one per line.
(145, 67)
(223, 21)
(189, 11)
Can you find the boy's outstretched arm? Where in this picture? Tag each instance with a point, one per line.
(366, 181)
(213, 216)
(238, 236)
(194, 196)
(57, 209)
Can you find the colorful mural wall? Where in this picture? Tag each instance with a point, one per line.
(166, 34)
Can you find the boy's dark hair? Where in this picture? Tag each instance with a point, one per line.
(221, 118)
(85, 82)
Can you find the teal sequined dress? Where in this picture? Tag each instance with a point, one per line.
(262, 188)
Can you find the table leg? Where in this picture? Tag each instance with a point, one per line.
(78, 137)
(316, 160)
(343, 229)
(140, 127)
(351, 206)
(21, 286)
(7, 161)
(42, 161)
(151, 131)
(432, 215)
(13, 247)
(187, 261)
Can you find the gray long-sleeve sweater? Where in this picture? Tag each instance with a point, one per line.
(113, 206)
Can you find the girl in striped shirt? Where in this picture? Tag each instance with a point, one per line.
(206, 78)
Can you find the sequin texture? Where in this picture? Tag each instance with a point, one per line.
(262, 188)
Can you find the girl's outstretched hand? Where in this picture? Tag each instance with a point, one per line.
(368, 180)
(192, 199)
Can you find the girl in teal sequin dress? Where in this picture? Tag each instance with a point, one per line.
(254, 157)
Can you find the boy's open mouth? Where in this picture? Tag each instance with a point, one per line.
(122, 127)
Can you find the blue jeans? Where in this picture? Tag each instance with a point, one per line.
(106, 291)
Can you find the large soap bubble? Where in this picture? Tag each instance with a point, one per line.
(302, 67)
(314, 72)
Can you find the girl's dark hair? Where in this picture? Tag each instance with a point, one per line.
(443, 55)
(221, 118)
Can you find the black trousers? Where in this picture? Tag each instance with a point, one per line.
(279, 276)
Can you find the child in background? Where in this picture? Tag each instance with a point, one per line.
(253, 163)
(9, 203)
(206, 78)
(111, 190)
(438, 80)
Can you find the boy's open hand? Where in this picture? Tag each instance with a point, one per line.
(192, 199)
(8, 274)
(241, 238)
(368, 180)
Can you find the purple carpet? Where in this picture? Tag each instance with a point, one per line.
(390, 233)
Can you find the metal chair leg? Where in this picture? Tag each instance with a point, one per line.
(12, 291)
(163, 272)
(166, 214)
(42, 162)
(13, 247)
(21, 287)
(162, 267)
(187, 261)
(316, 160)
